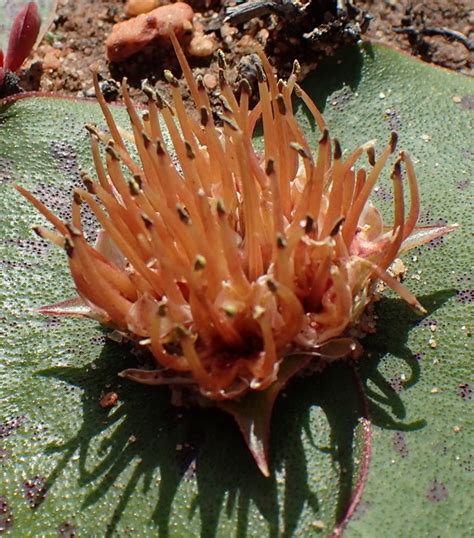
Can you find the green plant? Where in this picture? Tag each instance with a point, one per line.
(145, 467)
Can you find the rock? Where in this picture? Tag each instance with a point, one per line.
(131, 36)
(137, 7)
(202, 45)
(210, 81)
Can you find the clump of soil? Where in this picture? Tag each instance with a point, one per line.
(76, 39)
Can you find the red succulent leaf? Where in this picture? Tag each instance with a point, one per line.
(2, 75)
(23, 35)
(253, 412)
(1, 58)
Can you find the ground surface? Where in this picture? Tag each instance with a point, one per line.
(76, 41)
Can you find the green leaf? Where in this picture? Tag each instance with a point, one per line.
(145, 467)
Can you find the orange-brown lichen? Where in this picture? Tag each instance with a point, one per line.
(222, 260)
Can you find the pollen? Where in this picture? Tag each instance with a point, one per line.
(223, 259)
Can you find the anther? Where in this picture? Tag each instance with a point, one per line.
(183, 214)
(300, 150)
(324, 137)
(281, 104)
(134, 186)
(270, 167)
(371, 155)
(111, 151)
(189, 150)
(200, 83)
(199, 262)
(146, 221)
(68, 246)
(88, 183)
(261, 77)
(204, 116)
(229, 310)
(393, 141)
(296, 68)
(337, 227)
(309, 224)
(91, 128)
(160, 147)
(272, 285)
(162, 308)
(37, 230)
(245, 86)
(220, 208)
(397, 169)
(170, 78)
(148, 90)
(146, 139)
(281, 241)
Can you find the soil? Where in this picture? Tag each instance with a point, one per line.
(76, 41)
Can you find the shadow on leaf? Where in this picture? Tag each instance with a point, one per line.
(195, 461)
(387, 404)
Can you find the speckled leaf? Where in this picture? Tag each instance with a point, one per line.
(10, 8)
(144, 467)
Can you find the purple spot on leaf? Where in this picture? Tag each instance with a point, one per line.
(399, 444)
(383, 193)
(467, 102)
(467, 464)
(344, 97)
(396, 384)
(419, 356)
(465, 296)
(66, 158)
(465, 293)
(465, 391)
(4, 454)
(6, 516)
(99, 340)
(427, 219)
(67, 530)
(463, 184)
(35, 490)
(6, 170)
(53, 321)
(392, 116)
(10, 426)
(362, 508)
(437, 491)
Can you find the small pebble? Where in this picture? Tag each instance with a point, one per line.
(137, 7)
(210, 81)
(202, 45)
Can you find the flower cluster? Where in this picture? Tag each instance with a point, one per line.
(219, 258)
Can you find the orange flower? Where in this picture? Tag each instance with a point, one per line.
(222, 260)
